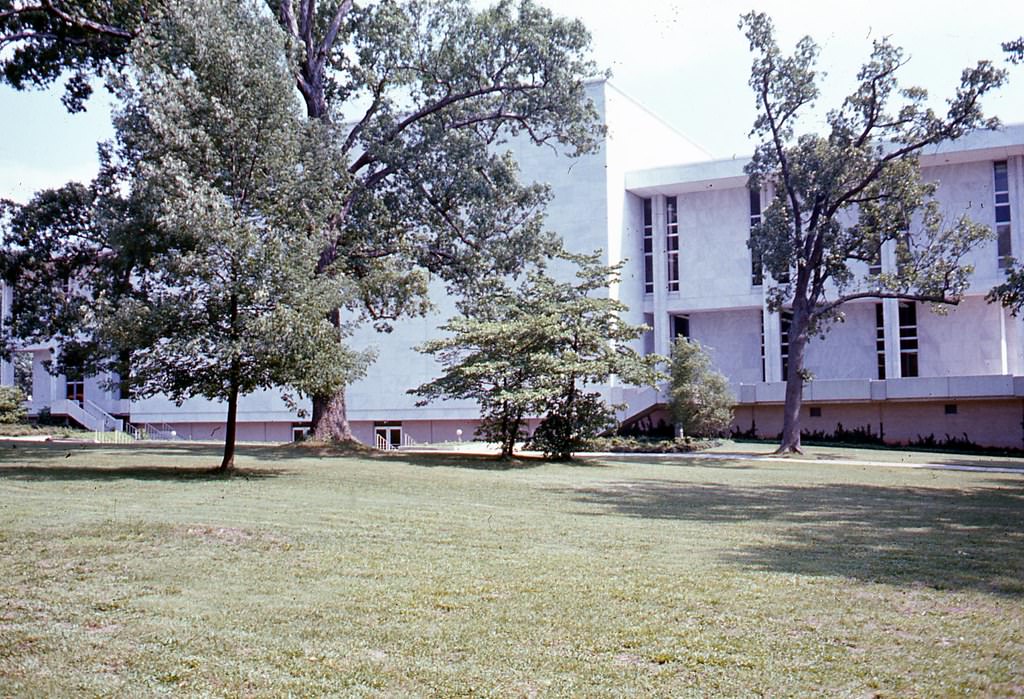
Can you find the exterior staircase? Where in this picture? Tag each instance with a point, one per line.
(105, 427)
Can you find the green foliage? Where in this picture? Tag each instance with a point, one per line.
(574, 417)
(699, 396)
(1011, 292)
(1016, 50)
(641, 445)
(533, 349)
(12, 409)
(41, 41)
(419, 99)
(844, 199)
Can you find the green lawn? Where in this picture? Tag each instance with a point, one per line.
(128, 572)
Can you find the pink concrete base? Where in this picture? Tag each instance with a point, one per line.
(246, 431)
(426, 431)
(989, 423)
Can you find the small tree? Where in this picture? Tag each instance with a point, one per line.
(840, 198)
(12, 409)
(216, 144)
(699, 396)
(534, 349)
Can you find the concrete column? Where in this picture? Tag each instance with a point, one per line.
(772, 345)
(1004, 357)
(1015, 180)
(891, 327)
(662, 324)
(891, 316)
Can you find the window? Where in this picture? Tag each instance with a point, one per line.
(785, 320)
(680, 327)
(815, 411)
(124, 386)
(648, 248)
(875, 264)
(756, 266)
(880, 339)
(387, 435)
(672, 242)
(75, 386)
(908, 339)
(764, 376)
(950, 408)
(1004, 245)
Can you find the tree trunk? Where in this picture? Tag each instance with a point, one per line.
(330, 422)
(794, 386)
(228, 462)
(330, 412)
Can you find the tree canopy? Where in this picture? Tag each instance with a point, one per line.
(420, 100)
(841, 200)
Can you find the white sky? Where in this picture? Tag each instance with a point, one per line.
(683, 59)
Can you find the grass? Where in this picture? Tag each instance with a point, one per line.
(24, 429)
(130, 571)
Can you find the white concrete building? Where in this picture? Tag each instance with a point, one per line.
(652, 198)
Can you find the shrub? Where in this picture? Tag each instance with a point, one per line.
(12, 409)
(699, 396)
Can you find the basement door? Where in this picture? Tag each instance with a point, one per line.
(388, 436)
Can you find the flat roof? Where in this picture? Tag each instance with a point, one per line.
(982, 144)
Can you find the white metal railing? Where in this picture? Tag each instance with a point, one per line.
(110, 423)
(408, 441)
(79, 414)
(113, 437)
(161, 432)
(382, 443)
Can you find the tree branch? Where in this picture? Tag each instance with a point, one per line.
(924, 298)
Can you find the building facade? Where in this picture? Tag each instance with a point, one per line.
(679, 222)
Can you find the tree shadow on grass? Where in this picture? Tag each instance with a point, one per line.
(970, 538)
(142, 473)
(63, 458)
(683, 461)
(41, 461)
(475, 462)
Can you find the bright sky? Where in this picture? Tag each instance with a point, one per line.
(683, 59)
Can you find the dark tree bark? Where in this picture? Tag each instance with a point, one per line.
(330, 422)
(790, 442)
(228, 462)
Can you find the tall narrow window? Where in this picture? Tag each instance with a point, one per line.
(908, 339)
(1004, 245)
(648, 248)
(764, 376)
(756, 266)
(785, 320)
(875, 264)
(880, 339)
(672, 242)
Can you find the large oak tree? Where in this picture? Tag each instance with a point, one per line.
(843, 197)
(422, 96)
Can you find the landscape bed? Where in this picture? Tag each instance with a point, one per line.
(130, 571)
